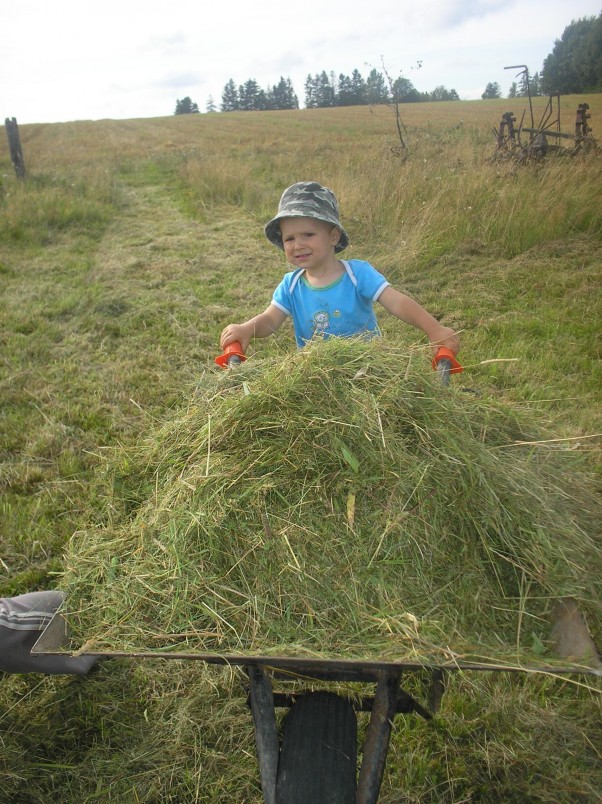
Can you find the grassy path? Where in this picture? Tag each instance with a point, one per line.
(103, 336)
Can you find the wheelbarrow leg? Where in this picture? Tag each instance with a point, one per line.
(376, 743)
(266, 730)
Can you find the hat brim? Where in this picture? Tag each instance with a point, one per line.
(273, 234)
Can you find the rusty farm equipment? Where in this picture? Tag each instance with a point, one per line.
(544, 137)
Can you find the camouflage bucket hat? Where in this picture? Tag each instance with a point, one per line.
(307, 199)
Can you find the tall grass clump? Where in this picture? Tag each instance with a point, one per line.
(337, 503)
(445, 194)
(45, 206)
(436, 203)
(210, 183)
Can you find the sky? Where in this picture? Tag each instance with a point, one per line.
(66, 60)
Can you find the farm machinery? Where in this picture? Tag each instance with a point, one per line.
(539, 139)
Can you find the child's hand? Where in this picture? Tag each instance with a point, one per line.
(235, 332)
(444, 336)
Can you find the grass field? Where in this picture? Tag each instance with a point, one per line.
(124, 253)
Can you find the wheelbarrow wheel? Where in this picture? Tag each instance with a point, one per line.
(318, 757)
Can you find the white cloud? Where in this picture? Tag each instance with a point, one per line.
(67, 60)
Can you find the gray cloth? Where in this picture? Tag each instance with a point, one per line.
(22, 621)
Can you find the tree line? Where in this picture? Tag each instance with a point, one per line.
(249, 97)
(573, 66)
(527, 85)
(324, 90)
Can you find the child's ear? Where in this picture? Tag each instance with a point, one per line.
(335, 235)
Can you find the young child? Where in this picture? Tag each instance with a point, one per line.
(324, 295)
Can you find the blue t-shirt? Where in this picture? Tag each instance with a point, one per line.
(343, 309)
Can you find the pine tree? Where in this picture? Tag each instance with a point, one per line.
(282, 96)
(376, 88)
(186, 106)
(262, 102)
(319, 91)
(536, 85)
(344, 95)
(325, 91)
(249, 95)
(492, 90)
(310, 93)
(524, 85)
(291, 96)
(358, 87)
(230, 101)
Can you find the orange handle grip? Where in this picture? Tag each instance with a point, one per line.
(443, 353)
(233, 353)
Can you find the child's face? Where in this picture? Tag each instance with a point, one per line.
(308, 243)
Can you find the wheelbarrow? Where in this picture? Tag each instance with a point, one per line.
(314, 759)
(313, 756)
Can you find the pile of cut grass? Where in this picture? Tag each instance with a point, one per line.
(338, 503)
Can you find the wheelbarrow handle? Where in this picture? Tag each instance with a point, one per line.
(445, 363)
(233, 355)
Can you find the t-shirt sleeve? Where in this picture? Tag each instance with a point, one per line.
(370, 282)
(282, 297)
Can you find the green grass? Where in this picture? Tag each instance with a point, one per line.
(128, 248)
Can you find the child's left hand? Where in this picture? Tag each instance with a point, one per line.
(444, 336)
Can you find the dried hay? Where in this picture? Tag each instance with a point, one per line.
(338, 503)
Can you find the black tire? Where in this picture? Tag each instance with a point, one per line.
(318, 758)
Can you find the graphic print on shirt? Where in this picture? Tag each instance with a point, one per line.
(321, 322)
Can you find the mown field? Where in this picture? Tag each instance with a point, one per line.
(122, 256)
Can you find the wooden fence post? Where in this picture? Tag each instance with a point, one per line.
(14, 143)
